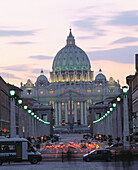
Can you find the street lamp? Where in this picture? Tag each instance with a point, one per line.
(12, 114)
(32, 113)
(124, 90)
(35, 116)
(108, 111)
(12, 93)
(118, 99)
(114, 105)
(25, 107)
(29, 111)
(111, 109)
(125, 118)
(20, 101)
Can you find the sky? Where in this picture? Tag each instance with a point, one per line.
(33, 31)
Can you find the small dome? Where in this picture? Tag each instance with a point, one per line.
(71, 57)
(100, 77)
(42, 80)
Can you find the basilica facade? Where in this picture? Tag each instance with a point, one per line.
(72, 86)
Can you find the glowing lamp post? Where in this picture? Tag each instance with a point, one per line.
(29, 111)
(125, 118)
(124, 90)
(12, 93)
(25, 121)
(25, 107)
(118, 99)
(111, 109)
(20, 118)
(114, 105)
(12, 114)
(20, 101)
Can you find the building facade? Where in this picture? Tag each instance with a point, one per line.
(132, 81)
(72, 86)
(135, 99)
(4, 109)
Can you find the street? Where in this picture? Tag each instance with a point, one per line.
(69, 165)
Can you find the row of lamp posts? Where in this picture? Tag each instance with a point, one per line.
(13, 96)
(125, 117)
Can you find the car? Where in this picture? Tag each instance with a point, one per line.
(98, 154)
(117, 146)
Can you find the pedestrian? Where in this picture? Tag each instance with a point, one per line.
(62, 157)
(69, 154)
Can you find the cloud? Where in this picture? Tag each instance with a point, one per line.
(38, 71)
(126, 18)
(85, 37)
(89, 24)
(5, 33)
(122, 55)
(85, 23)
(41, 57)
(9, 75)
(125, 40)
(16, 68)
(21, 43)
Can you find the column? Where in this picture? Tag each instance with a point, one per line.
(81, 112)
(12, 119)
(110, 133)
(20, 122)
(53, 76)
(37, 126)
(59, 111)
(85, 112)
(30, 126)
(60, 78)
(38, 129)
(75, 112)
(92, 118)
(119, 122)
(111, 124)
(114, 125)
(66, 113)
(33, 128)
(88, 76)
(104, 127)
(56, 120)
(125, 122)
(25, 124)
(107, 125)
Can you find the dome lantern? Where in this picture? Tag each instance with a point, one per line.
(70, 39)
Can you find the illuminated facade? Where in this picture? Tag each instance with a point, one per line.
(71, 88)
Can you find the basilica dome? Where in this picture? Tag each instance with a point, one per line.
(100, 77)
(71, 57)
(42, 80)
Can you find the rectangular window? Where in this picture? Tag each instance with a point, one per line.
(7, 148)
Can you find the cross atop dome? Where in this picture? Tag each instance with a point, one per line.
(42, 72)
(70, 39)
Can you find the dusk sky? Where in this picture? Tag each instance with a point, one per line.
(33, 31)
